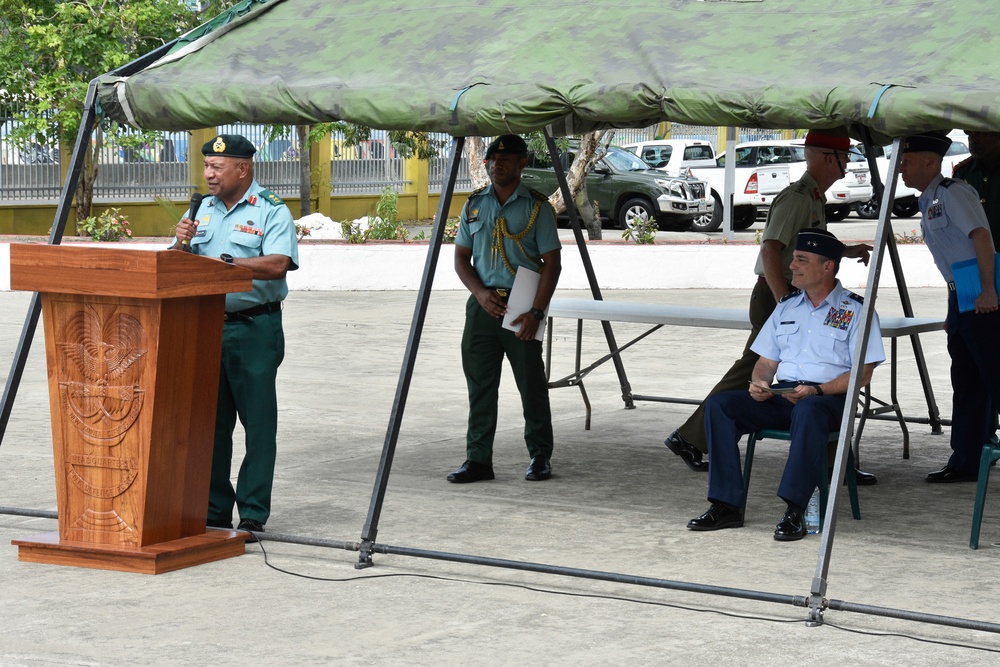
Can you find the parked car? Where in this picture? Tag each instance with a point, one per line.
(755, 186)
(855, 187)
(904, 204)
(626, 190)
(673, 156)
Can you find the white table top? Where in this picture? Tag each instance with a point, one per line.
(705, 316)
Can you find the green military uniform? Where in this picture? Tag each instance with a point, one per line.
(797, 207)
(253, 346)
(986, 180)
(502, 238)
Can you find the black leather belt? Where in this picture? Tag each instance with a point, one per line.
(250, 313)
(951, 287)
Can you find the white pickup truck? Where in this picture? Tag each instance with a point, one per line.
(756, 184)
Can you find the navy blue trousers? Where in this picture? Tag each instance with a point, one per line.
(732, 414)
(973, 341)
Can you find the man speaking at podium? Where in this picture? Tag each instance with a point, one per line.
(243, 224)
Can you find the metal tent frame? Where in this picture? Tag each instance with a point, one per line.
(816, 602)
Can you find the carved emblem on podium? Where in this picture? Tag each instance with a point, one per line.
(97, 402)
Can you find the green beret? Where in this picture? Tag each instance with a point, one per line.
(509, 144)
(229, 145)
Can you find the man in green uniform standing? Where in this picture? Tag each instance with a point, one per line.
(246, 225)
(982, 171)
(797, 207)
(504, 226)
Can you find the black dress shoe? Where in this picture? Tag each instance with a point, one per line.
(948, 474)
(718, 516)
(219, 523)
(250, 525)
(676, 443)
(471, 471)
(860, 476)
(864, 478)
(791, 527)
(539, 469)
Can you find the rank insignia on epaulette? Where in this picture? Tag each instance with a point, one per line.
(790, 295)
(271, 197)
(855, 297)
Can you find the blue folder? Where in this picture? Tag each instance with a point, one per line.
(966, 277)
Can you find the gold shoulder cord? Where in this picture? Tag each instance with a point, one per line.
(500, 233)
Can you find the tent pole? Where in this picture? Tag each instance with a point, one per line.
(588, 267)
(370, 529)
(729, 186)
(933, 413)
(87, 123)
(817, 598)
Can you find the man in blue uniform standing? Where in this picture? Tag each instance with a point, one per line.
(807, 345)
(955, 229)
(246, 225)
(504, 226)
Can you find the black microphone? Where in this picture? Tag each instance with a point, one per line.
(196, 198)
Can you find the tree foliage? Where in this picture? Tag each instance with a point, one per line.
(50, 50)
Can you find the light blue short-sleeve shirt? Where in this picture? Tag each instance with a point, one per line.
(259, 224)
(950, 211)
(478, 223)
(816, 343)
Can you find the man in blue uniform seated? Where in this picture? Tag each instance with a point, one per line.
(956, 229)
(807, 344)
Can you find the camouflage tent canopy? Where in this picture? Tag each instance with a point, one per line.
(484, 68)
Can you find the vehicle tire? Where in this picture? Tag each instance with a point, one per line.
(709, 222)
(635, 208)
(867, 210)
(745, 217)
(905, 207)
(837, 213)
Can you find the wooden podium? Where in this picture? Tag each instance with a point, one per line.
(133, 342)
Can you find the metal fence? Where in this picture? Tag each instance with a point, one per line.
(130, 169)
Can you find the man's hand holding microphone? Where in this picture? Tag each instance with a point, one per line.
(187, 227)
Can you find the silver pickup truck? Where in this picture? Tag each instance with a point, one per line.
(756, 183)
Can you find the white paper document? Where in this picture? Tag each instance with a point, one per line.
(522, 298)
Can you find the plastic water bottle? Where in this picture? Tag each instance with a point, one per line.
(812, 513)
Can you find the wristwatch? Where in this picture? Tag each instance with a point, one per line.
(537, 313)
(227, 258)
(819, 390)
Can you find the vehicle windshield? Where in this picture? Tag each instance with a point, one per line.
(622, 160)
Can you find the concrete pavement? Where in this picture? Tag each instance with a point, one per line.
(618, 502)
